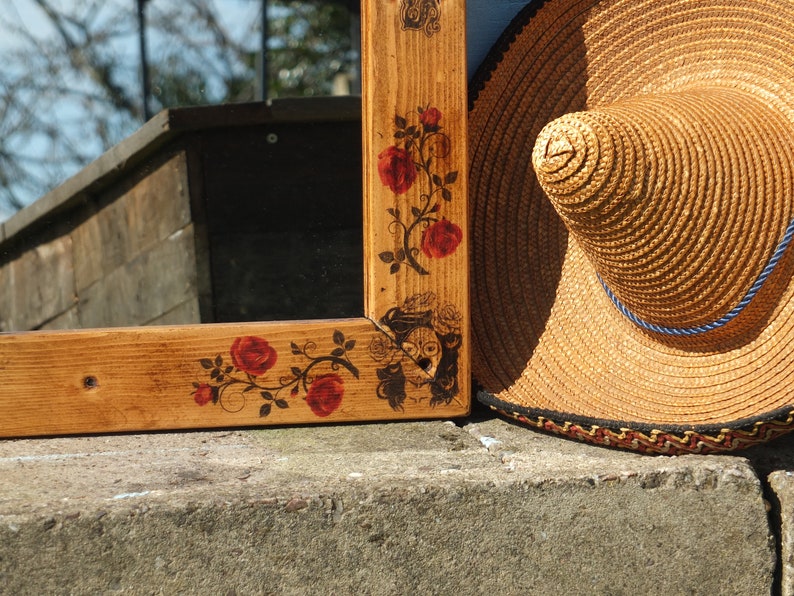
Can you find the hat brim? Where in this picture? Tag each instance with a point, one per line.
(549, 347)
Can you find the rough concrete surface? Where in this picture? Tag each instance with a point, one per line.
(782, 483)
(481, 507)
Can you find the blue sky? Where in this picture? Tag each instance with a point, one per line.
(236, 15)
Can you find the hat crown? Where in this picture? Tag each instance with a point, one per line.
(679, 200)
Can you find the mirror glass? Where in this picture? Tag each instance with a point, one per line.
(224, 211)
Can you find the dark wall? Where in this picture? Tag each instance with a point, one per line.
(284, 218)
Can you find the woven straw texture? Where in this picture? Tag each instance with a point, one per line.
(672, 171)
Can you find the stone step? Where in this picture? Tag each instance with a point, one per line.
(422, 507)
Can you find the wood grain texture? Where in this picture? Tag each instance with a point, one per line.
(415, 157)
(406, 358)
(201, 376)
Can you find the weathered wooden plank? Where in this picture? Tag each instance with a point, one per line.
(415, 157)
(39, 286)
(179, 314)
(138, 292)
(67, 320)
(138, 214)
(209, 376)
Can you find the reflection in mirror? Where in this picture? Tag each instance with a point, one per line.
(216, 214)
(284, 217)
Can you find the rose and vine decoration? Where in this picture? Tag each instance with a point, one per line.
(412, 161)
(428, 335)
(248, 372)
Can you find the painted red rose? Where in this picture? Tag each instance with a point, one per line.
(430, 118)
(204, 394)
(441, 239)
(397, 169)
(325, 394)
(253, 355)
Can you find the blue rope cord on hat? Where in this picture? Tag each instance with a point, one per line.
(734, 312)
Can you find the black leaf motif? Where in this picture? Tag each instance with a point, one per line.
(425, 144)
(223, 376)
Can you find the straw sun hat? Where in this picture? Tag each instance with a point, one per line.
(632, 189)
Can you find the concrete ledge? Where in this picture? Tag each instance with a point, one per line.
(426, 507)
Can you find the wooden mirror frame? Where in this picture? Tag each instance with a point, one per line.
(406, 358)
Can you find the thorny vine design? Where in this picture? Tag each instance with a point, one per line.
(252, 358)
(411, 162)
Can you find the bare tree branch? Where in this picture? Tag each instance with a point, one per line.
(70, 94)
